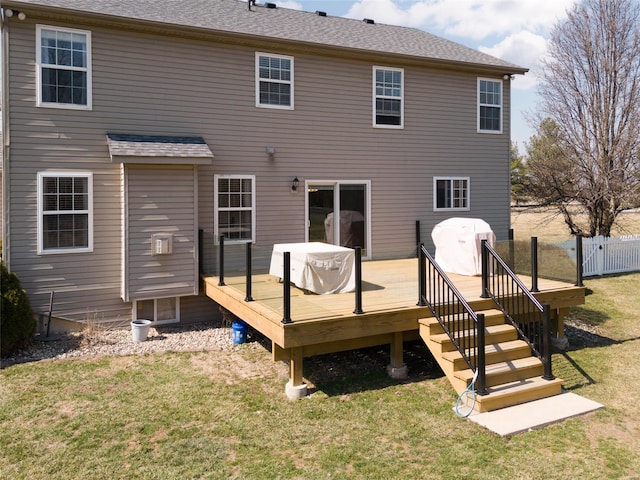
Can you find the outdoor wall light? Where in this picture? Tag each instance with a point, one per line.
(506, 76)
(271, 151)
(294, 184)
(11, 13)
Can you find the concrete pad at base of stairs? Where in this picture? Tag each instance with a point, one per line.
(536, 414)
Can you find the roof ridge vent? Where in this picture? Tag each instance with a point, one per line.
(320, 13)
(270, 5)
(370, 21)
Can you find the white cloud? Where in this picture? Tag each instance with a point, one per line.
(525, 49)
(289, 4)
(474, 19)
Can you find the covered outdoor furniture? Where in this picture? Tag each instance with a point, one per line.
(315, 266)
(458, 244)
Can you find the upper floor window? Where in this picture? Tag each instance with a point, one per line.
(274, 81)
(65, 204)
(388, 97)
(451, 193)
(63, 59)
(489, 105)
(235, 207)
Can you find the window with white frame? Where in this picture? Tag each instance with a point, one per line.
(451, 193)
(63, 60)
(274, 81)
(158, 310)
(388, 97)
(65, 212)
(489, 105)
(235, 207)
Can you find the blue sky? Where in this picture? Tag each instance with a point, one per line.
(514, 30)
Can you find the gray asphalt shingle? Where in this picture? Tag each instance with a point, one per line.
(233, 16)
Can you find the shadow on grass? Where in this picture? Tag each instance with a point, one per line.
(353, 371)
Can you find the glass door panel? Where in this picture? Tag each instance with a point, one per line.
(352, 222)
(321, 202)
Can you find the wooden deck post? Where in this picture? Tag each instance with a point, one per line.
(397, 368)
(295, 387)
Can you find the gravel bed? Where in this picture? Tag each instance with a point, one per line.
(95, 341)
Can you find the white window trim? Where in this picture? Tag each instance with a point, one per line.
(55, 251)
(375, 97)
(494, 80)
(134, 314)
(39, 102)
(216, 207)
(451, 209)
(257, 81)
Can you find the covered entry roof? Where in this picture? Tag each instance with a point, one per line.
(152, 149)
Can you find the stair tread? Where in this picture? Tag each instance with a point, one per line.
(517, 387)
(443, 337)
(501, 367)
(494, 312)
(489, 349)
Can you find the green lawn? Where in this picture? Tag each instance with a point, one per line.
(224, 415)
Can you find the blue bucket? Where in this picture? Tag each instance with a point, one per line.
(239, 329)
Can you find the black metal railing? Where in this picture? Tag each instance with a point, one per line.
(286, 279)
(520, 307)
(465, 328)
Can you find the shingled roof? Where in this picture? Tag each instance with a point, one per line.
(233, 16)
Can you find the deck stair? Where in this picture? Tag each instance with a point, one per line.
(513, 374)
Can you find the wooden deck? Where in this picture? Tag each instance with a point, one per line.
(326, 323)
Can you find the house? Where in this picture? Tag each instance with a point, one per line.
(130, 127)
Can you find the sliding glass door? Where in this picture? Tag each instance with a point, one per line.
(338, 213)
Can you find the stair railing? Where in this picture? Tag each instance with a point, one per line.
(519, 306)
(463, 326)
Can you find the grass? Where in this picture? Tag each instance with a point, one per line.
(197, 415)
(223, 414)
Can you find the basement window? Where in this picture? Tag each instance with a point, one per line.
(159, 310)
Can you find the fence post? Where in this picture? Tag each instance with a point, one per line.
(534, 264)
(546, 340)
(579, 260)
(481, 365)
(221, 262)
(248, 298)
(422, 276)
(418, 241)
(286, 287)
(485, 269)
(358, 266)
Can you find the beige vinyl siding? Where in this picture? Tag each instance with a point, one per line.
(160, 200)
(164, 85)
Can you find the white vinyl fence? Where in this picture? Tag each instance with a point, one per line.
(603, 255)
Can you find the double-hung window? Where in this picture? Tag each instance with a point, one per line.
(63, 60)
(489, 105)
(235, 207)
(274, 81)
(65, 212)
(388, 97)
(451, 193)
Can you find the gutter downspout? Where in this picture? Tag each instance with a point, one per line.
(6, 144)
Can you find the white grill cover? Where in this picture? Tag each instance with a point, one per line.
(458, 247)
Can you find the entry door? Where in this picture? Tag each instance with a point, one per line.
(348, 225)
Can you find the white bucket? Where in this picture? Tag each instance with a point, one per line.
(140, 330)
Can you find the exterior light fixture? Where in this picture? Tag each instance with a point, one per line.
(271, 151)
(294, 184)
